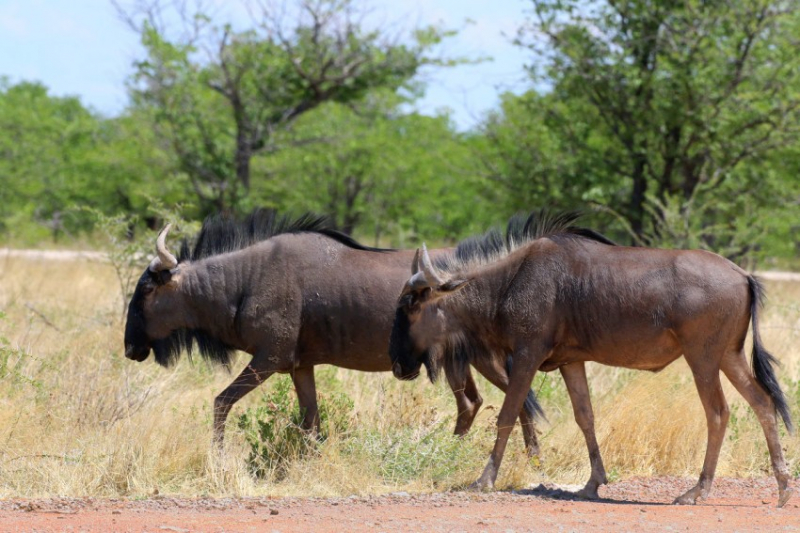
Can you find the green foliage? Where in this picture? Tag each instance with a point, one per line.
(683, 103)
(672, 123)
(43, 146)
(408, 453)
(274, 433)
(528, 162)
(56, 154)
(378, 171)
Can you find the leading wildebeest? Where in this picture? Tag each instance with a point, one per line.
(555, 296)
(293, 294)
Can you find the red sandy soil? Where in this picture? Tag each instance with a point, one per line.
(639, 504)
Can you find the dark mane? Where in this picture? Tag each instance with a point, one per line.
(520, 230)
(223, 233)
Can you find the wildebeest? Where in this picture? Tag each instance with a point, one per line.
(555, 296)
(292, 293)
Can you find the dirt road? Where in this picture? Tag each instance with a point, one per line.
(633, 505)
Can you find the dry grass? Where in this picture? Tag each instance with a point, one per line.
(77, 419)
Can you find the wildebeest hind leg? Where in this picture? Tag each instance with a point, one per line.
(251, 377)
(737, 371)
(306, 390)
(706, 378)
(468, 400)
(575, 378)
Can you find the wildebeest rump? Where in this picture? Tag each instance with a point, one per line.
(292, 293)
(556, 296)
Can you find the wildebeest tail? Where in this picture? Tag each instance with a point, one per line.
(531, 404)
(763, 361)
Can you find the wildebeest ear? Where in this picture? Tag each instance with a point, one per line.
(164, 277)
(452, 285)
(422, 295)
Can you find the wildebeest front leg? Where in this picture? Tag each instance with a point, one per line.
(525, 365)
(717, 413)
(468, 400)
(497, 376)
(575, 378)
(251, 377)
(306, 390)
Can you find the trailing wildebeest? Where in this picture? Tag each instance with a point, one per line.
(555, 296)
(293, 294)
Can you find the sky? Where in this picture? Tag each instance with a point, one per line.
(82, 48)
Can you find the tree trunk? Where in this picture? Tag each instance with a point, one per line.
(636, 206)
(244, 153)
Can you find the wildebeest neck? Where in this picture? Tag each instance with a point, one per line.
(471, 312)
(206, 304)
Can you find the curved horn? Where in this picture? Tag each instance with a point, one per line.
(165, 260)
(415, 264)
(428, 268)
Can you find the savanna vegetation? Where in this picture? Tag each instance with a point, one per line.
(77, 418)
(670, 123)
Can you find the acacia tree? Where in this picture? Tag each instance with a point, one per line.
(686, 93)
(222, 93)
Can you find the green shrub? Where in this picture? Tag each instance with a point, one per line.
(273, 429)
(409, 453)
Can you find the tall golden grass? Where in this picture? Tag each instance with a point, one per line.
(78, 419)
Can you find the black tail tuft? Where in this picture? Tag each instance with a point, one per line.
(531, 405)
(763, 361)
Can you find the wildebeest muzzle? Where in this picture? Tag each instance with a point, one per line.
(405, 374)
(137, 353)
(405, 365)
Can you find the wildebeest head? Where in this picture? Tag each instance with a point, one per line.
(142, 329)
(420, 327)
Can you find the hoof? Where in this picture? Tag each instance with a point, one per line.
(480, 486)
(691, 496)
(533, 451)
(684, 500)
(784, 497)
(587, 494)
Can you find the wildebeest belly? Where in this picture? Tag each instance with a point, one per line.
(354, 358)
(648, 350)
(353, 340)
